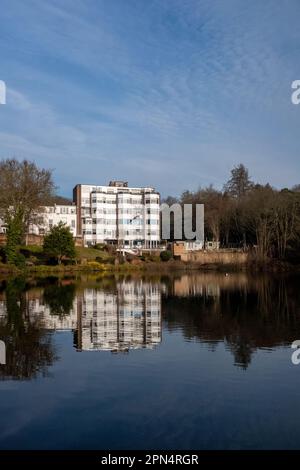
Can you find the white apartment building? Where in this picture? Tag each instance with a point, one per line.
(49, 216)
(53, 215)
(118, 214)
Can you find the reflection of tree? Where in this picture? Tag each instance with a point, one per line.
(29, 349)
(263, 313)
(59, 298)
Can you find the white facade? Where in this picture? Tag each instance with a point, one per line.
(129, 217)
(50, 216)
(53, 215)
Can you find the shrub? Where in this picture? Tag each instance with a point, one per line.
(166, 255)
(19, 260)
(154, 258)
(33, 254)
(31, 250)
(100, 246)
(108, 260)
(95, 266)
(2, 254)
(59, 243)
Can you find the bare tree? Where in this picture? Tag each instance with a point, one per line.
(214, 204)
(286, 220)
(259, 209)
(248, 214)
(296, 188)
(24, 189)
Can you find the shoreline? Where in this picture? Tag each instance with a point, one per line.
(268, 266)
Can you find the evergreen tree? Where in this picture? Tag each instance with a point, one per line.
(13, 240)
(239, 183)
(59, 243)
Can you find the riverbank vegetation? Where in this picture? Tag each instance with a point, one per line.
(250, 216)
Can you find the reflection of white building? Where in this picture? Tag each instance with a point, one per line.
(118, 214)
(127, 319)
(36, 309)
(50, 320)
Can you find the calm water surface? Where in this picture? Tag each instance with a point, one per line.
(198, 361)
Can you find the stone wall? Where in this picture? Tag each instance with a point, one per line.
(225, 257)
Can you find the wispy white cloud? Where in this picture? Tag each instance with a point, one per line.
(188, 87)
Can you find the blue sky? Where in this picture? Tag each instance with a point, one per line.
(169, 93)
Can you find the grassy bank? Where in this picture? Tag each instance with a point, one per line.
(149, 267)
(92, 260)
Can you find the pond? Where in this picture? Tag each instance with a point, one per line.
(187, 361)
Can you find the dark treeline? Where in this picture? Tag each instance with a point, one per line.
(246, 313)
(249, 215)
(29, 347)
